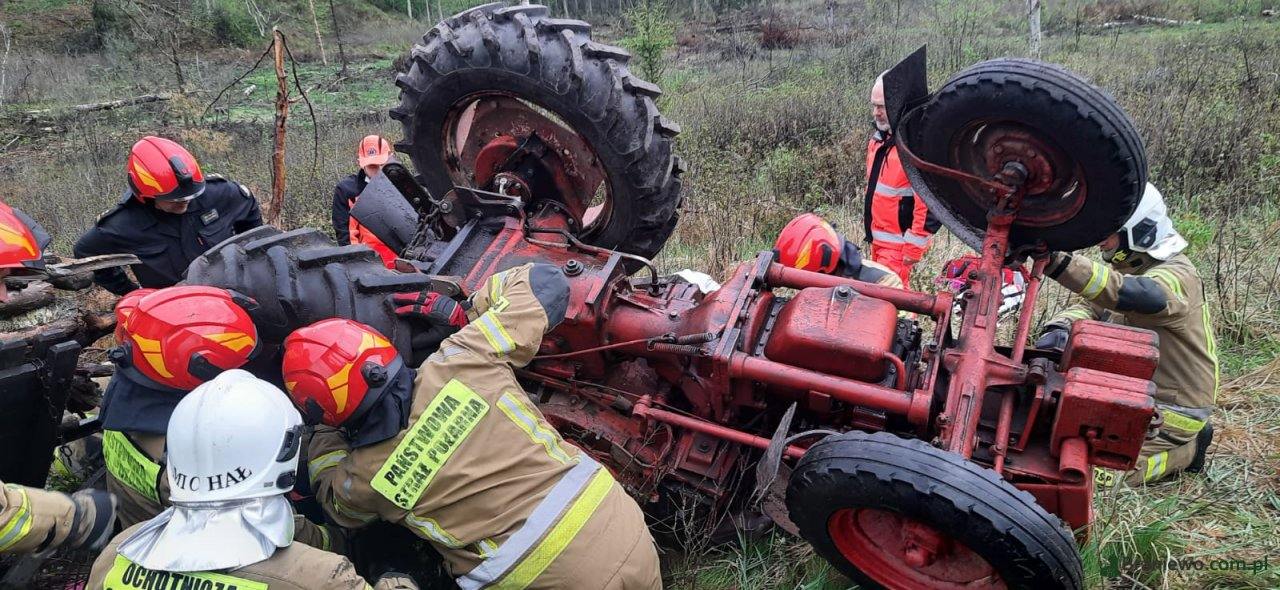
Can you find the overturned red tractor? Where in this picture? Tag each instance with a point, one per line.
(906, 445)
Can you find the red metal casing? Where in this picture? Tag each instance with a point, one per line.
(1112, 412)
(835, 331)
(1112, 348)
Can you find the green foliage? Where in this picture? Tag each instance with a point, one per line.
(230, 22)
(651, 32)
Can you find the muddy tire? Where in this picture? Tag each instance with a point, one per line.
(553, 63)
(1094, 147)
(854, 495)
(300, 277)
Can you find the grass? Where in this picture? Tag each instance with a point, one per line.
(769, 134)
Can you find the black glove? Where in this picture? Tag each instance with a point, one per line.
(434, 316)
(94, 518)
(1054, 338)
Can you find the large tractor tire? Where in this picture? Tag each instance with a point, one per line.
(502, 53)
(897, 513)
(1087, 165)
(300, 277)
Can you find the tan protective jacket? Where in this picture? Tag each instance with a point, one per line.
(137, 477)
(33, 520)
(1187, 377)
(1168, 299)
(296, 567)
(481, 474)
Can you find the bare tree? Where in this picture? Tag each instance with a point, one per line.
(337, 33)
(1033, 21)
(408, 7)
(315, 22)
(4, 62)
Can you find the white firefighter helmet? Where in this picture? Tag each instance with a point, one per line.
(235, 437)
(1150, 229)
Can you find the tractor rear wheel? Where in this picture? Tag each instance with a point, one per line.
(506, 98)
(897, 513)
(300, 277)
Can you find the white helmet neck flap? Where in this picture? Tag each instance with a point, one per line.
(1150, 230)
(233, 438)
(232, 455)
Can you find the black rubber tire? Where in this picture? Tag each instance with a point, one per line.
(521, 51)
(300, 277)
(1084, 121)
(1029, 547)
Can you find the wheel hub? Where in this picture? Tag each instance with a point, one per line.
(906, 554)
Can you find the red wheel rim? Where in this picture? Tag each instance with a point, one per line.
(904, 554)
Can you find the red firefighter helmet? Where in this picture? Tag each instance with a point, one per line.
(20, 241)
(180, 337)
(125, 308)
(334, 369)
(809, 243)
(161, 169)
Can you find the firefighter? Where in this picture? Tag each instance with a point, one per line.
(170, 214)
(460, 455)
(372, 154)
(170, 341)
(1148, 283)
(808, 242)
(233, 455)
(22, 244)
(897, 224)
(34, 520)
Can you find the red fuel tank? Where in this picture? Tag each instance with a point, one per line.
(836, 331)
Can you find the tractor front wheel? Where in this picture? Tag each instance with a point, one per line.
(897, 513)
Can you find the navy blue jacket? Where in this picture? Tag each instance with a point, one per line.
(165, 243)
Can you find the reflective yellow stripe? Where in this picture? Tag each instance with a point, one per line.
(1169, 280)
(326, 543)
(1156, 465)
(527, 420)
(19, 524)
(495, 333)
(496, 301)
(443, 426)
(125, 574)
(565, 530)
(1211, 344)
(432, 530)
(129, 465)
(1097, 281)
(326, 461)
(1182, 422)
(486, 547)
(352, 513)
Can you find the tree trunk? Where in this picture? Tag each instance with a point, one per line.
(337, 33)
(276, 209)
(315, 23)
(408, 7)
(1033, 20)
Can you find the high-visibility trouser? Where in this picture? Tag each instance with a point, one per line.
(890, 250)
(586, 533)
(1169, 452)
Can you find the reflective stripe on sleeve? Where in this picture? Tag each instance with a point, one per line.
(1156, 465)
(431, 530)
(527, 421)
(326, 461)
(495, 333)
(890, 191)
(497, 301)
(19, 524)
(1169, 280)
(1097, 281)
(547, 531)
